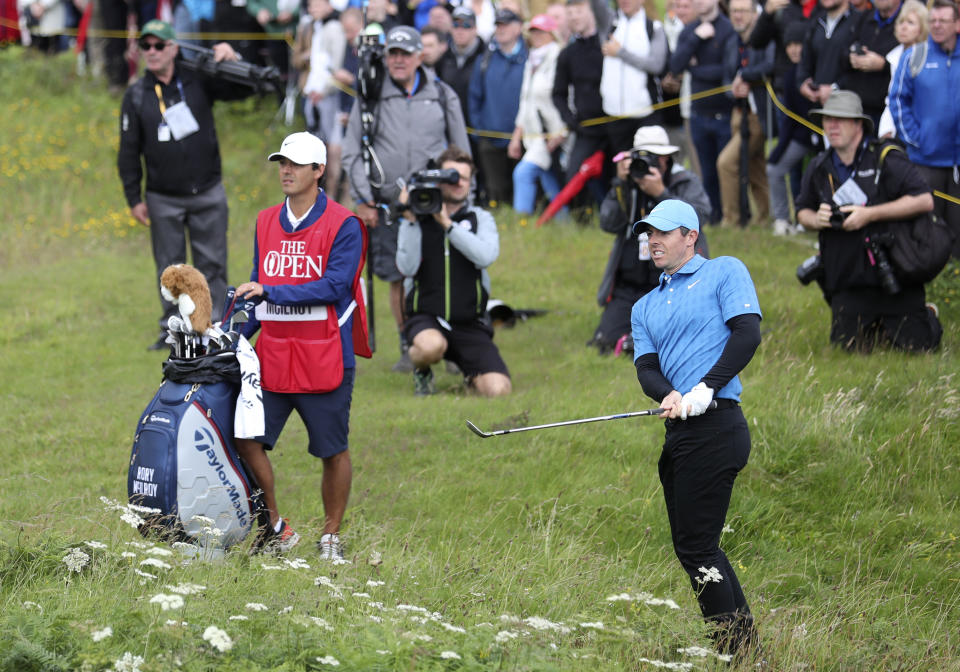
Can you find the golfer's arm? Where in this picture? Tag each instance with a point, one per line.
(651, 378)
(737, 353)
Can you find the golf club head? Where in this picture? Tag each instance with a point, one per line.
(175, 324)
(476, 430)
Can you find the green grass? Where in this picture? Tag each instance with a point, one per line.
(844, 524)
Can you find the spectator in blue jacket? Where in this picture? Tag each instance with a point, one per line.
(923, 105)
(494, 98)
(700, 50)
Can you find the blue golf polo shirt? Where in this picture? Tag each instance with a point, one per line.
(684, 320)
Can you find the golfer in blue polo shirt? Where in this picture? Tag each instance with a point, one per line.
(691, 336)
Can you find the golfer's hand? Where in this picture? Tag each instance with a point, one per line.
(671, 405)
(696, 401)
(249, 289)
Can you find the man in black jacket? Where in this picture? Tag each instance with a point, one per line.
(580, 67)
(166, 118)
(869, 73)
(853, 192)
(826, 51)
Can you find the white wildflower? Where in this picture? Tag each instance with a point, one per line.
(383, 652)
(95, 544)
(296, 563)
(272, 567)
(695, 651)
(711, 575)
(32, 605)
(505, 636)
(328, 660)
(129, 663)
(450, 655)
(131, 519)
(375, 619)
(453, 628)
(622, 597)
(800, 630)
(146, 575)
(186, 588)
(155, 562)
(596, 626)
(137, 544)
(376, 605)
(477, 594)
(128, 554)
(239, 617)
(424, 638)
(75, 560)
(256, 606)
(727, 528)
(211, 531)
(158, 550)
(374, 584)
(376, 558)
(136, 508)
(366, 595)
(539, 623)
(410, 607)
(203, 520)
(667, 666)
(171, 623)
(167, 602)
(218, 639)
(98, 635)
(340, 561)
(321, 623)
(285, 610)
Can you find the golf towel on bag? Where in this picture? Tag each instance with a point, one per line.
(184, 465)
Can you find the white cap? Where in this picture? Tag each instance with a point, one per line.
(302, 148)
(655, 140)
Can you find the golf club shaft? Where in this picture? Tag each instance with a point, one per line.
(616, 416)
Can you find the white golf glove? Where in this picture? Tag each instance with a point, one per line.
(696, 400)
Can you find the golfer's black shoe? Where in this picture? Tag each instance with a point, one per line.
(160, 343)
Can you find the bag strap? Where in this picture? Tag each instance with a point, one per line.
(917, 58)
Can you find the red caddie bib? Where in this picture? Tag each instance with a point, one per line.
(299, 346)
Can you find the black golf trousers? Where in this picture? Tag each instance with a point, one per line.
(701, 458)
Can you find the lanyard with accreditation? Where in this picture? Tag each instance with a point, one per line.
(178, 121)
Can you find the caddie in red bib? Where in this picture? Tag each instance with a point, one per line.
(308, 258)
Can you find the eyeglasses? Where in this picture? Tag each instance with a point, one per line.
(156, 46)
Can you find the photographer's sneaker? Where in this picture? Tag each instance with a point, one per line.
(423, 382)
(330, 548)
(782, 227)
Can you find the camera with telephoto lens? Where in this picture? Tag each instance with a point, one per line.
(811, 269)
(370, 72)
(640, 162)
(877, 245)
(837, 217)
(424, 189)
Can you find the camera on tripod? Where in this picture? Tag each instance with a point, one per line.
(640, 163)
(424, 189)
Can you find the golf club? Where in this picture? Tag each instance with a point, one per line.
(617, 416)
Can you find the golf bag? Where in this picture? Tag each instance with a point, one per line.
(184, 464)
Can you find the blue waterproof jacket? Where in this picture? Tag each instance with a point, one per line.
(494, 96)
(924, 108)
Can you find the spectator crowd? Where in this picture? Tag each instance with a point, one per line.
(549, 99)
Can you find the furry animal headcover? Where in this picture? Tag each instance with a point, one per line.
(185, 286)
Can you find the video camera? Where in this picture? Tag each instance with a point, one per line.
(260, 79)
(640, 163)
(371, 69)
(424, 189)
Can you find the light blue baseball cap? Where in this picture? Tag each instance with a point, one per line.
(669, 215)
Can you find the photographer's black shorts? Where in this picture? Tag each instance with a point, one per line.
(383, 245)
(469, 344)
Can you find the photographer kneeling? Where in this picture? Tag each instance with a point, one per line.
(646, 175)
(444, 246)
(858, 195)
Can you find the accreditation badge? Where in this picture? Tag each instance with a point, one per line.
(163, 133)
(850, 193)
(181, 121)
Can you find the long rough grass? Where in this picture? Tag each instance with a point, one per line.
(843, 528)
